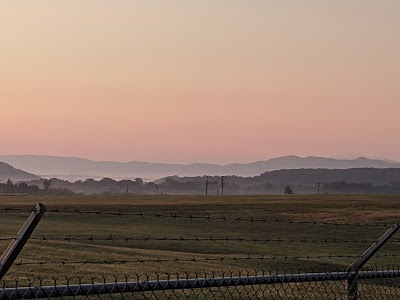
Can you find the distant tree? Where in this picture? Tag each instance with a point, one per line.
(34, 189)
(107, 181)
(22, 187)
(9, 188)
(46, 185)
(138, 186)
(125, 185)
(288, 190)
(151, 187)
(90, 181)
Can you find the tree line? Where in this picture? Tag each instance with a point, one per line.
(25, 188)
(303, 181)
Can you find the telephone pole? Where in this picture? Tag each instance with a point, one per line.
(222, 185)
(207, 183)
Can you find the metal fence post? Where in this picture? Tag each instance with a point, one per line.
(352, 281)
(15, 247)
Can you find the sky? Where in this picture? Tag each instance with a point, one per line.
(200, 81)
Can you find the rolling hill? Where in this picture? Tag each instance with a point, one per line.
(72, 168)
(9, 172)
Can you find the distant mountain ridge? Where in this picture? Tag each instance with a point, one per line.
(9, 172)
(73, 168)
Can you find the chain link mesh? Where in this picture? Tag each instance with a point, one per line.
(374, 283)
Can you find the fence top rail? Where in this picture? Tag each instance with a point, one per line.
(285, 273)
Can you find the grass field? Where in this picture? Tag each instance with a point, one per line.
(306, 246)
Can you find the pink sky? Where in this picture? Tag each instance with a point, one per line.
(210, 81)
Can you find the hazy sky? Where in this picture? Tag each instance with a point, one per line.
(207, 80)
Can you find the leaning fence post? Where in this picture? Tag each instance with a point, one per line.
(15, 247)
(352, 280)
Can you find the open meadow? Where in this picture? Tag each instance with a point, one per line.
(92, 236)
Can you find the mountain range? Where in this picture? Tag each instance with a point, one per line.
(73, 168)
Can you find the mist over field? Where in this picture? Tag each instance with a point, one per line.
(308, 175)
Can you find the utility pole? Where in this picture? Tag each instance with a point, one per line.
(319, 186)
(207, 183)
(222, 185)
(157, 188)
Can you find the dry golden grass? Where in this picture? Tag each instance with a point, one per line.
(324, 208)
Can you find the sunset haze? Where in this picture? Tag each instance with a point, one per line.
(210, 81)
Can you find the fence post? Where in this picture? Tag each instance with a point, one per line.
(16, 245)
(352, 281)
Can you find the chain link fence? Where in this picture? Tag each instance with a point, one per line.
(354, 282)
(372, 283)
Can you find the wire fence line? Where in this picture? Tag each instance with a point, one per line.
(370, 284)
(117, 238)
(381, 282)
(194, 259)
(192, 217)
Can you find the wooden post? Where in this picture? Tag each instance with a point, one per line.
(352, 281)
(15, 247)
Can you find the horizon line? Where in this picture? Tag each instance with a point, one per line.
(336, 157)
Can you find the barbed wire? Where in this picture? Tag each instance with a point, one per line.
(193, 259)
(157, 215)
(115, 238)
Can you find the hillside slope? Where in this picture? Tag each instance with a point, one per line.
(9, 172)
